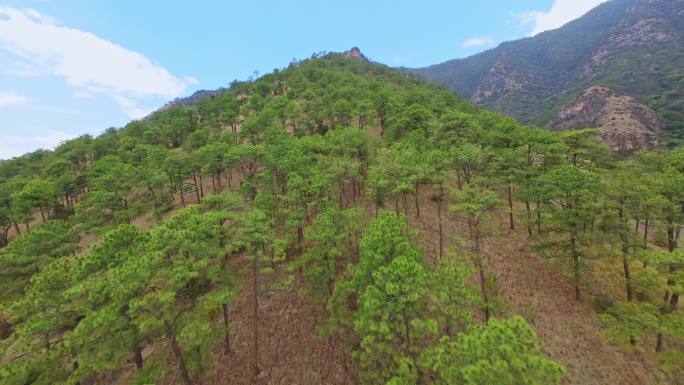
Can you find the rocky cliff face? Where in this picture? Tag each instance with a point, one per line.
(355, 53)
(635, 47)
(623, 123)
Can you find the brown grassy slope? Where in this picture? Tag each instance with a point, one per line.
(291, 350)
(569, 331)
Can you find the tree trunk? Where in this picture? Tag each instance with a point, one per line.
(674, 301)
(628, 281)
(128, 216)
(197, 192)
(645, 238)
(483, 291)
(672, 238)
(407, 331)
(529, 219)
(659, 343)
(182, 196)
(137, 357)
(510, 207)
(226, 338)
(674, 296)
(636, 236)
(439, 218)
(255, 314)
(354, 190)
(625, 254)
(417, 200)
(300, 239)
(4, 241)
(177, 354)
(475, 238)
(577, 260)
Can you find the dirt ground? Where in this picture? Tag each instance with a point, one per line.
(569, 331)
(291, 350)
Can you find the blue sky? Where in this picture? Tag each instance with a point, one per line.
(68, 67)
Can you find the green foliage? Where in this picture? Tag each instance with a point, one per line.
(280, 172)
(502, 352)
(31, 252)
(452, 296)
(331, 237)
(390, 322)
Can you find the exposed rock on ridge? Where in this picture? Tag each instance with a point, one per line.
(355, 53)
(623, 123)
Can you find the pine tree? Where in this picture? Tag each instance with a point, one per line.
(476, 205)
(501, 352)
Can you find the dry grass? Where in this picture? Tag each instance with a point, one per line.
(291, 350)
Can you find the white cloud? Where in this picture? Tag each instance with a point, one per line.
(561, 12)
(189, 80)
(14, 145)
(131, 108)
(88, 63)
(478, 41)
(10, 98)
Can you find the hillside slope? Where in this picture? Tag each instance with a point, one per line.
(633, 47)
(336, 221)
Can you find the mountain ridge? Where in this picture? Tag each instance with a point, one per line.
(632, 47)
(199, 95)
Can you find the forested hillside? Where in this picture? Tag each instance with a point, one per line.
(340, 222)
(632, 47)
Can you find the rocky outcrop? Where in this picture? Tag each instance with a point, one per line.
(355, 53)
(623, 123)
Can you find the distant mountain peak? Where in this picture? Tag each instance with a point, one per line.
(634, 47)
(355, 53)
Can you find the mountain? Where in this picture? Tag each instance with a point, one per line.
(342, 222)
(624, 123)
(200, 95)
(355, 53)
(631, 47)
